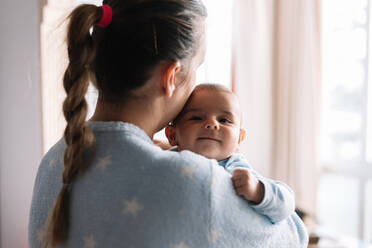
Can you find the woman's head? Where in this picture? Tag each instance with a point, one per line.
(119, 59)
(142, 34)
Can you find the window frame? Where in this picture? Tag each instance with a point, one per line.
(362, 169)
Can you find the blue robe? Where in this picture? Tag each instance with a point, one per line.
(136, 195)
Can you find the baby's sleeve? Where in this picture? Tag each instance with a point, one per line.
(236, 224)
(278, 202)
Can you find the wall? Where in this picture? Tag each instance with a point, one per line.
(20, 111)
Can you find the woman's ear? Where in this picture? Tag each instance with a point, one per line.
(169, 77)
(241, 135)
(171, 135)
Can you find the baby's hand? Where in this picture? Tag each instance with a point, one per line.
(247, 185)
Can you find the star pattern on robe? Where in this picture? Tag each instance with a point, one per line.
(256, 219)
(51, 163)
(89, 242)
(132, 207)
(180, 245)
(188, 171)
(104, 162)
(214, 235)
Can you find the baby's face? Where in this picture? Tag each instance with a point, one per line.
(209, 124)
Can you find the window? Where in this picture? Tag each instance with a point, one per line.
(347, 118)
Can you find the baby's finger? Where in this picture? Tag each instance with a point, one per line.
(238, 171)
(240, 191)
(239, 183)
(235, 179)
(242, 184)
(242, 173)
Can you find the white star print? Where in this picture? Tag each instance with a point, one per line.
(132, 207)
(188, 171)
(51, 163)
(89, 242)
(180, 245)
(104, 162)
(214, 235)
(255, 219)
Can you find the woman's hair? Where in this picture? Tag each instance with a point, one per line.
(117, 59)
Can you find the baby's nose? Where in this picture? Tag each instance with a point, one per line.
(211, 124)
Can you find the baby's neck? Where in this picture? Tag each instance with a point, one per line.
(218, 160)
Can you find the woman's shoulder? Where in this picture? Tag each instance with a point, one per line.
(186, 156)
(54, 155)
(187, 162)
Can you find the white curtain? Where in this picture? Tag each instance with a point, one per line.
(217, 64)
(276, 73)
(53, 64)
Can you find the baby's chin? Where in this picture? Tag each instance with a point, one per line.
(213, 154)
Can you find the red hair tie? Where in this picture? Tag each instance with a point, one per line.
(106, 16)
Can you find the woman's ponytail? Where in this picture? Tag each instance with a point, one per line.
(78, 137)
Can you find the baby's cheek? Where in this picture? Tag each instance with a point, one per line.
(187, 143)
(235, 141)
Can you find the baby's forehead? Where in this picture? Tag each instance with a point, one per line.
(220, 97)
(224, 93)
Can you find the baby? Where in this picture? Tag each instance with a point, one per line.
(210, 125)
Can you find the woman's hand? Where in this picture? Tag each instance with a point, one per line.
(247, 185)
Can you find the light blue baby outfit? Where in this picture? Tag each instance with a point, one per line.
(136, 195)
(278, 202)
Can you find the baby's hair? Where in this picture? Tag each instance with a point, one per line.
(213, 87)
(205, 86)
(117, 59)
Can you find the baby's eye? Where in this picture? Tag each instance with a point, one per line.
(225, 121)
(195, 118)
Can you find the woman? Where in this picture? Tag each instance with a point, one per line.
(105, 184)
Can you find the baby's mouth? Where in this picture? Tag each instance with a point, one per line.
(208, 138)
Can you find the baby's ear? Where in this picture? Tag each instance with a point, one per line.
(171, 135)
(241, 135)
